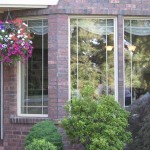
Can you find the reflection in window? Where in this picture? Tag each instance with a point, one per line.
(137, 60)
(35, 72)
(92, 55)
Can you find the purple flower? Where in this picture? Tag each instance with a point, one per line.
(2, 27)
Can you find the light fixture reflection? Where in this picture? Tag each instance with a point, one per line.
(131, 47)
(109, 48)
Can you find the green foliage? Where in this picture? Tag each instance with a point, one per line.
(97, 123)
(45, 130)
(40, 145)
(140, 123)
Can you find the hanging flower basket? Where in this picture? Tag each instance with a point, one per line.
(15, 41)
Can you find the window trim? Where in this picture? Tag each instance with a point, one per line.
(115, 51)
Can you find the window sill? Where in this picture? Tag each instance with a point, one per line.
(30, 120)
(26, 120)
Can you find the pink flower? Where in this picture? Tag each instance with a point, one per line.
(15, 44)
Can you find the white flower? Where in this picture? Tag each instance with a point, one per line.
(25, 36)
(4, 45)
(3, 30)
(30, 42)
(19, 36)
(10, 35)
(23, 39)
(6, 36)
(18, 31)
(11, 41)
(22, 43)
(5, 39)
(25, 24)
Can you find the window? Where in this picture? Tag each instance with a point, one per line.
(34, 73)
(92, 55)
(137, 60)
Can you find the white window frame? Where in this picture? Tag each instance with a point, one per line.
(115, 51)
(19, 86)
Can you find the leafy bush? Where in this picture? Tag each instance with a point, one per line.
(45, 130)
(40, 145)
(140, 123)
(96, 123)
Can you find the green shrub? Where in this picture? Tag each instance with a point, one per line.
(140, 123)
(45, 130)
(40, 145)
(97, 123)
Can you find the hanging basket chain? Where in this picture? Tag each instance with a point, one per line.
(9, 25)
(8, 16)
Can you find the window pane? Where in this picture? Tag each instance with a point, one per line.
(32, 110)
(45, 99)
(91, 62)
(140, 23)
(45, 22)
(35, 23)
(45, 66)
(110, 22)
(45, 111)
(110, 64)
(127, 23)
(35, 69)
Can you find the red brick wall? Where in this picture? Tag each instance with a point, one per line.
(105, 7)
(58, 65)
(15, 128)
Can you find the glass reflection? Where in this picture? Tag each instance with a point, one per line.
(35, 73)
(137, 60)
(91, 61)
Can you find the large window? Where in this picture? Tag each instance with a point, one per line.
(34, 73)
(137, 59)
(92, 55)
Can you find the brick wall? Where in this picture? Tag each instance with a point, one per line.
(15, 128)
(105, 7)
(58, 65)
